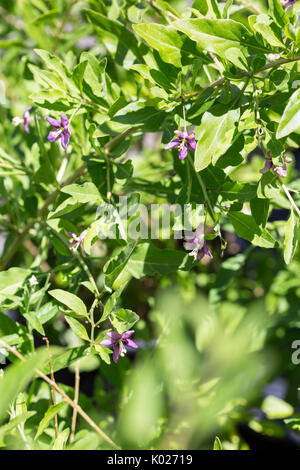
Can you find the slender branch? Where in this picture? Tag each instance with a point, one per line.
(293, 204)
(203, 187)
(76, 395)
(167, 12)
(80, 411)
(220, 81)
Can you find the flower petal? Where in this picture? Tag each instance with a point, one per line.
(106, 342)
(53, 136)
(131, 344)
(281, 170)
(53, 122)
(127, 334)
(114, 335)
(192, 144)
(116, 353)
(267, 167)
(64, 122)
(172, 144)
(65, 137)
(183, 153)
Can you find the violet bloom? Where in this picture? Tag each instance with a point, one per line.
(119, 342)
(27, 119)
(279, 170)
(287, 3)
(77, 241)
(184, 142)
(196, 244)
(61, 130)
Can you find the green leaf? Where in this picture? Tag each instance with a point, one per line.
(83, 193)
(147, 260)
(218, 36)
(35, 323)
(124, 319)
(73, 302)
(164, 39)
(20, 419)
(214, 137)
(66, 358)
(291, 236)
(290, 120)
(276, 408)
(78, 73)
(264, 25)
(67, 206)
(278, 13)
(77, 328)
(260, 210)
(115, 266)
(11, 280)
(115, 28)
(17, 377)
(246, 227)
(48, 416)
(61, 440)
(217, 444)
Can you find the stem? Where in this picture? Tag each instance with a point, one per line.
(76, 395)
(203, 187)
(52, 389)
(293, 204)
(222, 80)
(80, 411)
(157, 7)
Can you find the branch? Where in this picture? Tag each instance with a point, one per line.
(64, 395)
(220, 81)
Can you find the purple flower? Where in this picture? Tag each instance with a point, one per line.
(269, 165)
(27, 119)
(61, 130)
(196, 244)
(77, 241)
(119, 342)
(184, 142)
(287, 3)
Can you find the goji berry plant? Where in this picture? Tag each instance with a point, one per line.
(149, 284)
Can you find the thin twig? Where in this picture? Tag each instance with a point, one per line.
(293, 204)
(80, 411)
(76, 395)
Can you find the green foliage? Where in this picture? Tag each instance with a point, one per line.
(210, 312)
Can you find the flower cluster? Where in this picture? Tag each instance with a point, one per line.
(184, 142)
(119, 342)
(269, 165)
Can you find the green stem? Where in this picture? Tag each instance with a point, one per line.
(203, 187)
